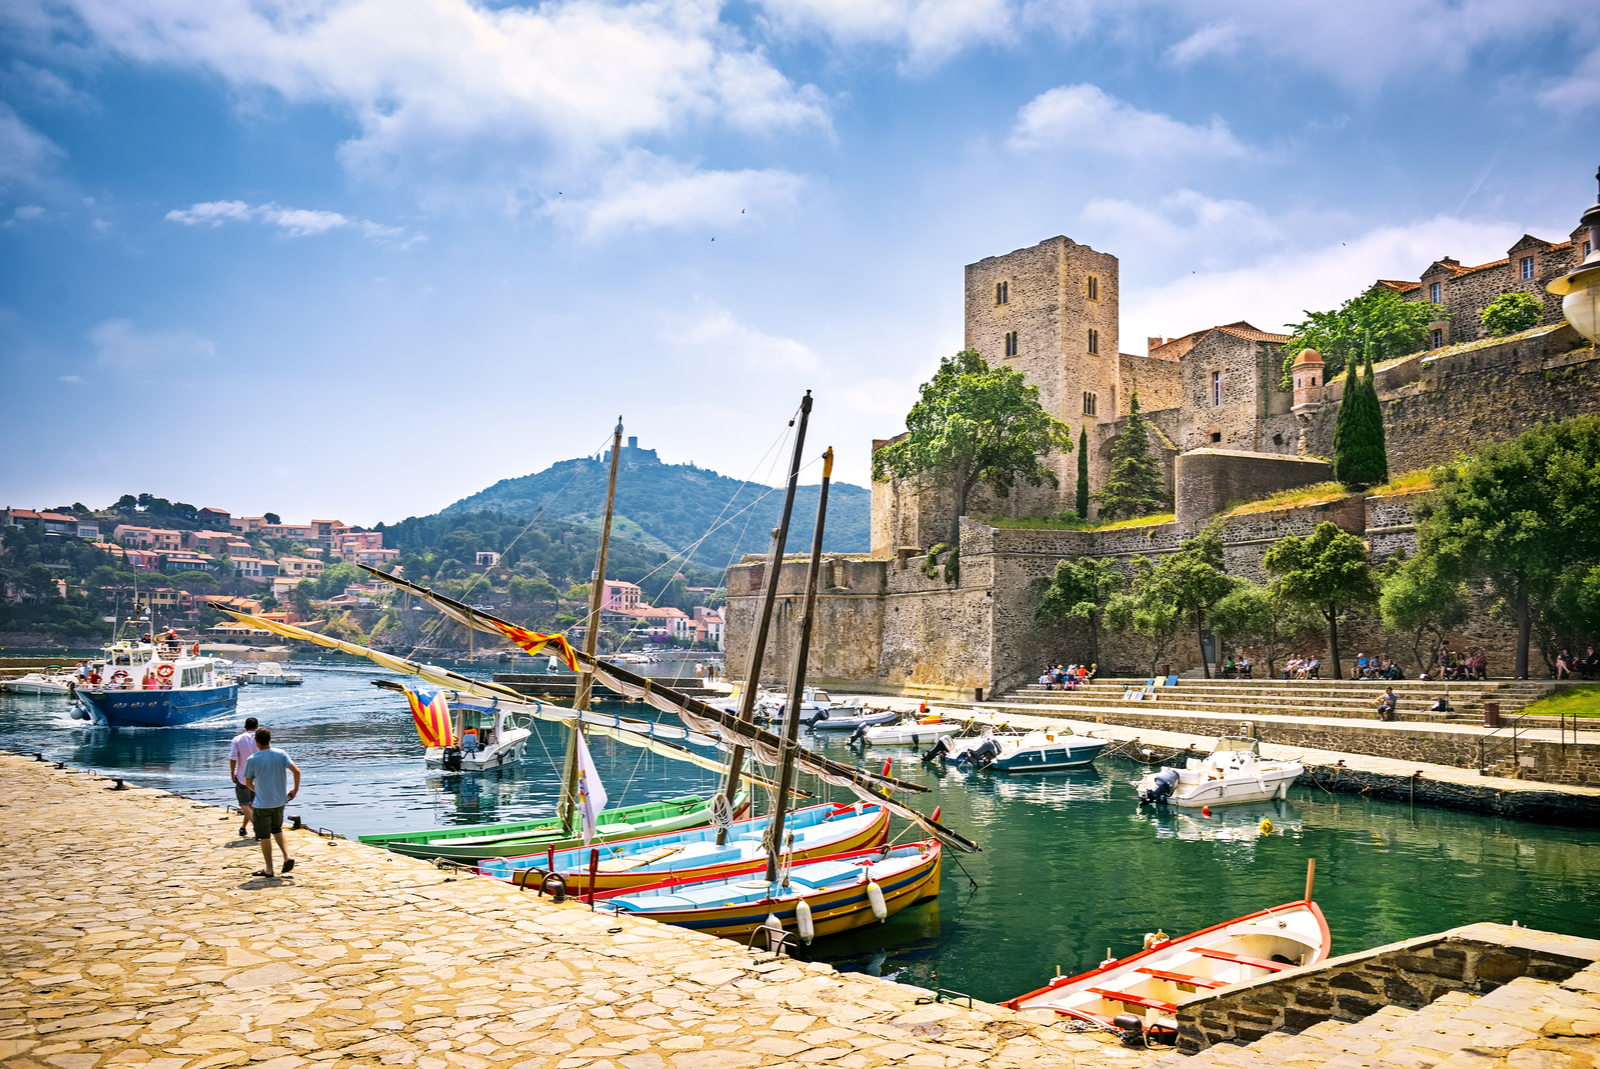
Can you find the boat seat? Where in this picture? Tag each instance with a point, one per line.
(1183, 978)
(1260, 963)
(1134, 1000)
(825, 872)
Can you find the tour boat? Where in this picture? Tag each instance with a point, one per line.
(55, 683)
(160, 684)
(1150, 984)
(1232, 773)
(819, 830)
(821, 897)
(1034, 751)
(852, 716)
(270, 674)
(908, 732)
(484, 841)
(497, 739)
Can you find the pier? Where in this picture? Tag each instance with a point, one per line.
(134, 936)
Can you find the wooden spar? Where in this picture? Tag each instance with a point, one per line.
(758, 650)
(591, 633)
(1311, 875)
(797, 678)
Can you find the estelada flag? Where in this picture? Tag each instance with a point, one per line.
(533, 642)
(432, 714)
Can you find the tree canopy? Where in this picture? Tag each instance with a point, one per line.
(1192, 581)
(1082, 503)
(1424, 601)
(1376, 325)
(1360, 456)
(1249, 615)
(1079, 590)
(975, 424)
(1136, 485)
(1327, 571)
(1510, 313)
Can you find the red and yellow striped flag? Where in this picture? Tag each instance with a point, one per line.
(432, 714)
(533, 642)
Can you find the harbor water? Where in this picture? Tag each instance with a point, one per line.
(1071, 867)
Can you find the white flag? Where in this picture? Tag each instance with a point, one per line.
(591, 792)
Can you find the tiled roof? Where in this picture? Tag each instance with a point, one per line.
(1249, 333)
(1398, 285)
(1181, 346)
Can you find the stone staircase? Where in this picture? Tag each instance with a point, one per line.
(1526, 1024)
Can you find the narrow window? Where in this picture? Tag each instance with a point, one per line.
(1088, 403)
(1216, 389)
(1011, 343)
(1436, 293)
(1216, 437)
(1113, 401)
(1094, 340)
(1002, 293)
(1527, 267)
(1094, 288)
(1438, 338)
(1588, 247)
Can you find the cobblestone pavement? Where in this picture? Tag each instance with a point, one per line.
(133, 935)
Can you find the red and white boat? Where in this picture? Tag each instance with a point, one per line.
(1150, 984)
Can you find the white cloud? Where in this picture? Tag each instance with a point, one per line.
(76, 380)
(646, 192)
(929, 31)
(1086, 117)
(26, 156)
(1213, 39)
(1581, 89)
(120, 346)
(296, 222)
(718, 337)
(25, 212)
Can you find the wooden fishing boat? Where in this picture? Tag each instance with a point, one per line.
(475, 844)
(1150, 984)
(819, 831)
(828, 895)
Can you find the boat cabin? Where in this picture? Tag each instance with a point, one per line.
(486, 724)
(1232, 743)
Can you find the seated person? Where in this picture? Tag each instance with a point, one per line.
(1243, 668)
(1387, 703)
(1229, 670)
(1046, 682)
(469, 741)
(1314, 668)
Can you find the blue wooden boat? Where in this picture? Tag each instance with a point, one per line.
(155, 685)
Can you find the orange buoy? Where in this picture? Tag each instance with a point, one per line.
(886, 766)
(1205, 811)
(936, 811)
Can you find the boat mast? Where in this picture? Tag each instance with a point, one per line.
(597, 584)
(780, 534)
(797, 678)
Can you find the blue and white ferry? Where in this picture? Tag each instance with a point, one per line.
(155, 685)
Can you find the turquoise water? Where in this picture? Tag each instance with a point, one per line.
(1070, 866)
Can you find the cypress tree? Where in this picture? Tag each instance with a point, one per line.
(1360, 458)
(1136, 486)
(1083, 472)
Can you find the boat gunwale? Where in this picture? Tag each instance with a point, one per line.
(761, 866)
(515, 828)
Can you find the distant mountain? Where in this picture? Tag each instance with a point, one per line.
(670, 506)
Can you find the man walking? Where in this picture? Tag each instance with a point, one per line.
(244, 744)
(266, 773)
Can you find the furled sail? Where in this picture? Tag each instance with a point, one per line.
(699, 717)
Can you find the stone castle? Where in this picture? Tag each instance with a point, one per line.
(1225, 430)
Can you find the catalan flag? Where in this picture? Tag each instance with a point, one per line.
(533, 642)
(432, 714)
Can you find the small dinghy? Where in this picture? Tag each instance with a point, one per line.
(1231, 774)
(850, 717)
(1143, 991)
(1034, 751)
(908, 732)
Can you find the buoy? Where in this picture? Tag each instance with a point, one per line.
(1205, 811)
(880, 909)
(1266, 826)
(936, 811)
(774, 939)
(886, 766)
(802, 922)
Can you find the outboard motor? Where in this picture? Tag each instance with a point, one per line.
(980, 757)
(859, 735)
(452, 759)
(938, 749)
(1166, 781)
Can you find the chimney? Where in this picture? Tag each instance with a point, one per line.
(633, 441)
(1152, 344)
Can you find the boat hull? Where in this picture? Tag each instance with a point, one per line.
(910, 734)
(575, 869)
(1236, 792)
(1051, 758)
(472, 845)
(828, 722)
(507, 753)
(34, 686)
(160, 708)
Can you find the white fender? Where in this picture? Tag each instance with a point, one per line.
(880, 909)
(773, 940)
(803, 922)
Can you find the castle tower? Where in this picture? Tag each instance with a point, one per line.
(1308, 381)
(1050, 311)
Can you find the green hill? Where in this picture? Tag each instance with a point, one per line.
(671, 506)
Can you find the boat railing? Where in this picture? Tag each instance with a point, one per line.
(777, 939)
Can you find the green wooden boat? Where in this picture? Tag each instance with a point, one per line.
(474, 844)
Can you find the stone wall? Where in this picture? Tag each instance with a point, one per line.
(1248, 372)
(1210, 480)
(1477, 958)
(1159, 384)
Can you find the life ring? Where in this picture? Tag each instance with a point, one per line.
(119, 676)
(164, 671)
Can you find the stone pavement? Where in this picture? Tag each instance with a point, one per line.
(133, 935)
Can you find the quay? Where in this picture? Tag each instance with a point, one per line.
(133, 937)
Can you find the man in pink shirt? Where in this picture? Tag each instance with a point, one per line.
(243, 746)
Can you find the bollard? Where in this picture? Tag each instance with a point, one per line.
(1491, 714)
(594, 875)
(119, 787)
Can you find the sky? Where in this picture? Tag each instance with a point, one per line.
(361, 258)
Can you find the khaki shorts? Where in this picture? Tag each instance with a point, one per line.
(267, 822)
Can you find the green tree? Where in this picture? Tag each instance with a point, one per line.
(975, 424)
(1146, 611)
(1136, 486)
(271, 517)
(1519, 515)
(40, 582)
(1360, 457)
(1326, 572)
(1424, 601)
(1510, 313)
(1249, 616)
(1083, 473)
(1080, 590)
(1193, 580)
(1376, 325)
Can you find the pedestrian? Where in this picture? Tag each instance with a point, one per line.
(266, 774)
(239, 751)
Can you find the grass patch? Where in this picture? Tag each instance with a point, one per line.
(1299, 497)
(1410, 482)
(1069, 522)
(1580, 700)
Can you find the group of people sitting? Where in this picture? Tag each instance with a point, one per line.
(1450, 664)
(1237, 667)
(1068, 677)
(1376, 668)
(1587, 666)
(1302, 668)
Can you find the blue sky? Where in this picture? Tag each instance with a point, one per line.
(362, 258)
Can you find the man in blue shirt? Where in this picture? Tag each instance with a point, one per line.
(266, 773)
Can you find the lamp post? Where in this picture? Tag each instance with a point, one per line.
(1579, 289)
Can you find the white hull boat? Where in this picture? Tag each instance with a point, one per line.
(269, 674)
(1233, 773)
(1144, 990)
(1035, 751)
(496, 741)
(40, 683)
(910, 733)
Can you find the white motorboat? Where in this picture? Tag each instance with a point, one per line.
(1049, 750)
(814, 703)
(1232, 773)
(1143, 990)
(270, 674)
(55, 684)
(911, 732)
(852, 716)
(487, 735)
